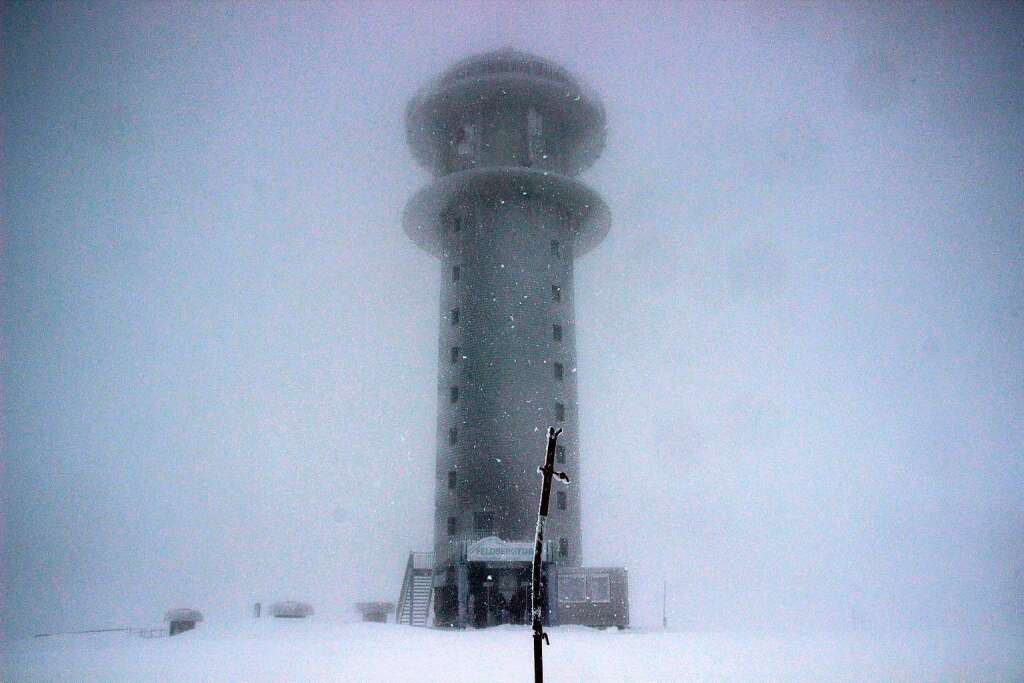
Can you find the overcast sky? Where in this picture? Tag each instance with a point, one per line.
(801, 347)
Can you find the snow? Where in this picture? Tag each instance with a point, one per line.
(318, 650)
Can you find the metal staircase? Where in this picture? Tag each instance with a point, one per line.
(415, 600)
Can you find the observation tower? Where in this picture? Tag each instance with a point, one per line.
(504, 134)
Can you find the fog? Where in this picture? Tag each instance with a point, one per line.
(801, 359)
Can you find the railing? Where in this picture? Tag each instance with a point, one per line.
(160, 632)
(422, 560)
(157, 632)
(418, 563)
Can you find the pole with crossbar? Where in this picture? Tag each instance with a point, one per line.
(547, 470)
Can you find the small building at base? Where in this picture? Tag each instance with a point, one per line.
(376, 612)
(591, 596)
(182, 619)
(488, 583)
(291, 609)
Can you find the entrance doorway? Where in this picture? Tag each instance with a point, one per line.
(499, 594)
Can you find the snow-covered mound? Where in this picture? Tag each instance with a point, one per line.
(322, 650)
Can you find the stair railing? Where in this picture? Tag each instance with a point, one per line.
(405, 596)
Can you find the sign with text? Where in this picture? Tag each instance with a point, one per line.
(493, 549)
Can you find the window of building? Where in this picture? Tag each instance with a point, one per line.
(455, 316)
(453, 436)
(456, 272)
(563, 547)
(562, 500)
(483, 521)
(572, 587)
(556, 332)
(453, 478)
(534, 135)
(556, 248)
(560, 412)
(600, 588)
(560, 454)
(457, 223)
(453, 526)
(556, 293)
(456, 354)
(453, 394)
(467, 141)
(559, 371)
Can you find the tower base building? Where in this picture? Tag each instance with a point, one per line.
(505, 134)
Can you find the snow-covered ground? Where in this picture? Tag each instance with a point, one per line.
(322, 650)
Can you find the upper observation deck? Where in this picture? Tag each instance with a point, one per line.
(505, 108)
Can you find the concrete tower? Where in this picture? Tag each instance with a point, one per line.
(504, 133)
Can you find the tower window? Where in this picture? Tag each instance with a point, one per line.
(535, 135)
(556, 248)
(556, 293)
(456, 354)
(562, 500)
(453, 526)
(559, 371)
(453, 478)
(456, 272)
(563, 547)
(453, 436)
(457, 223)
(467, 141)
(560, 454)
(483, 521)
(453, 395)
(455, 316)
(556, 332)
(560, 412)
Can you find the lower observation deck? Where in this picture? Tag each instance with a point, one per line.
(422, 218)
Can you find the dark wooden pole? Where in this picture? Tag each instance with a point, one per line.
(547, 470)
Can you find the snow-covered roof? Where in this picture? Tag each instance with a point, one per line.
(375, 606)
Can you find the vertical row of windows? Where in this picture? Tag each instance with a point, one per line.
(559, 371)
(467, 147)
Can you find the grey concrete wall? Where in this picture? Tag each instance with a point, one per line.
(505, 376)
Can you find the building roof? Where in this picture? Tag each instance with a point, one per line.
(506, 60)
(183, 614)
